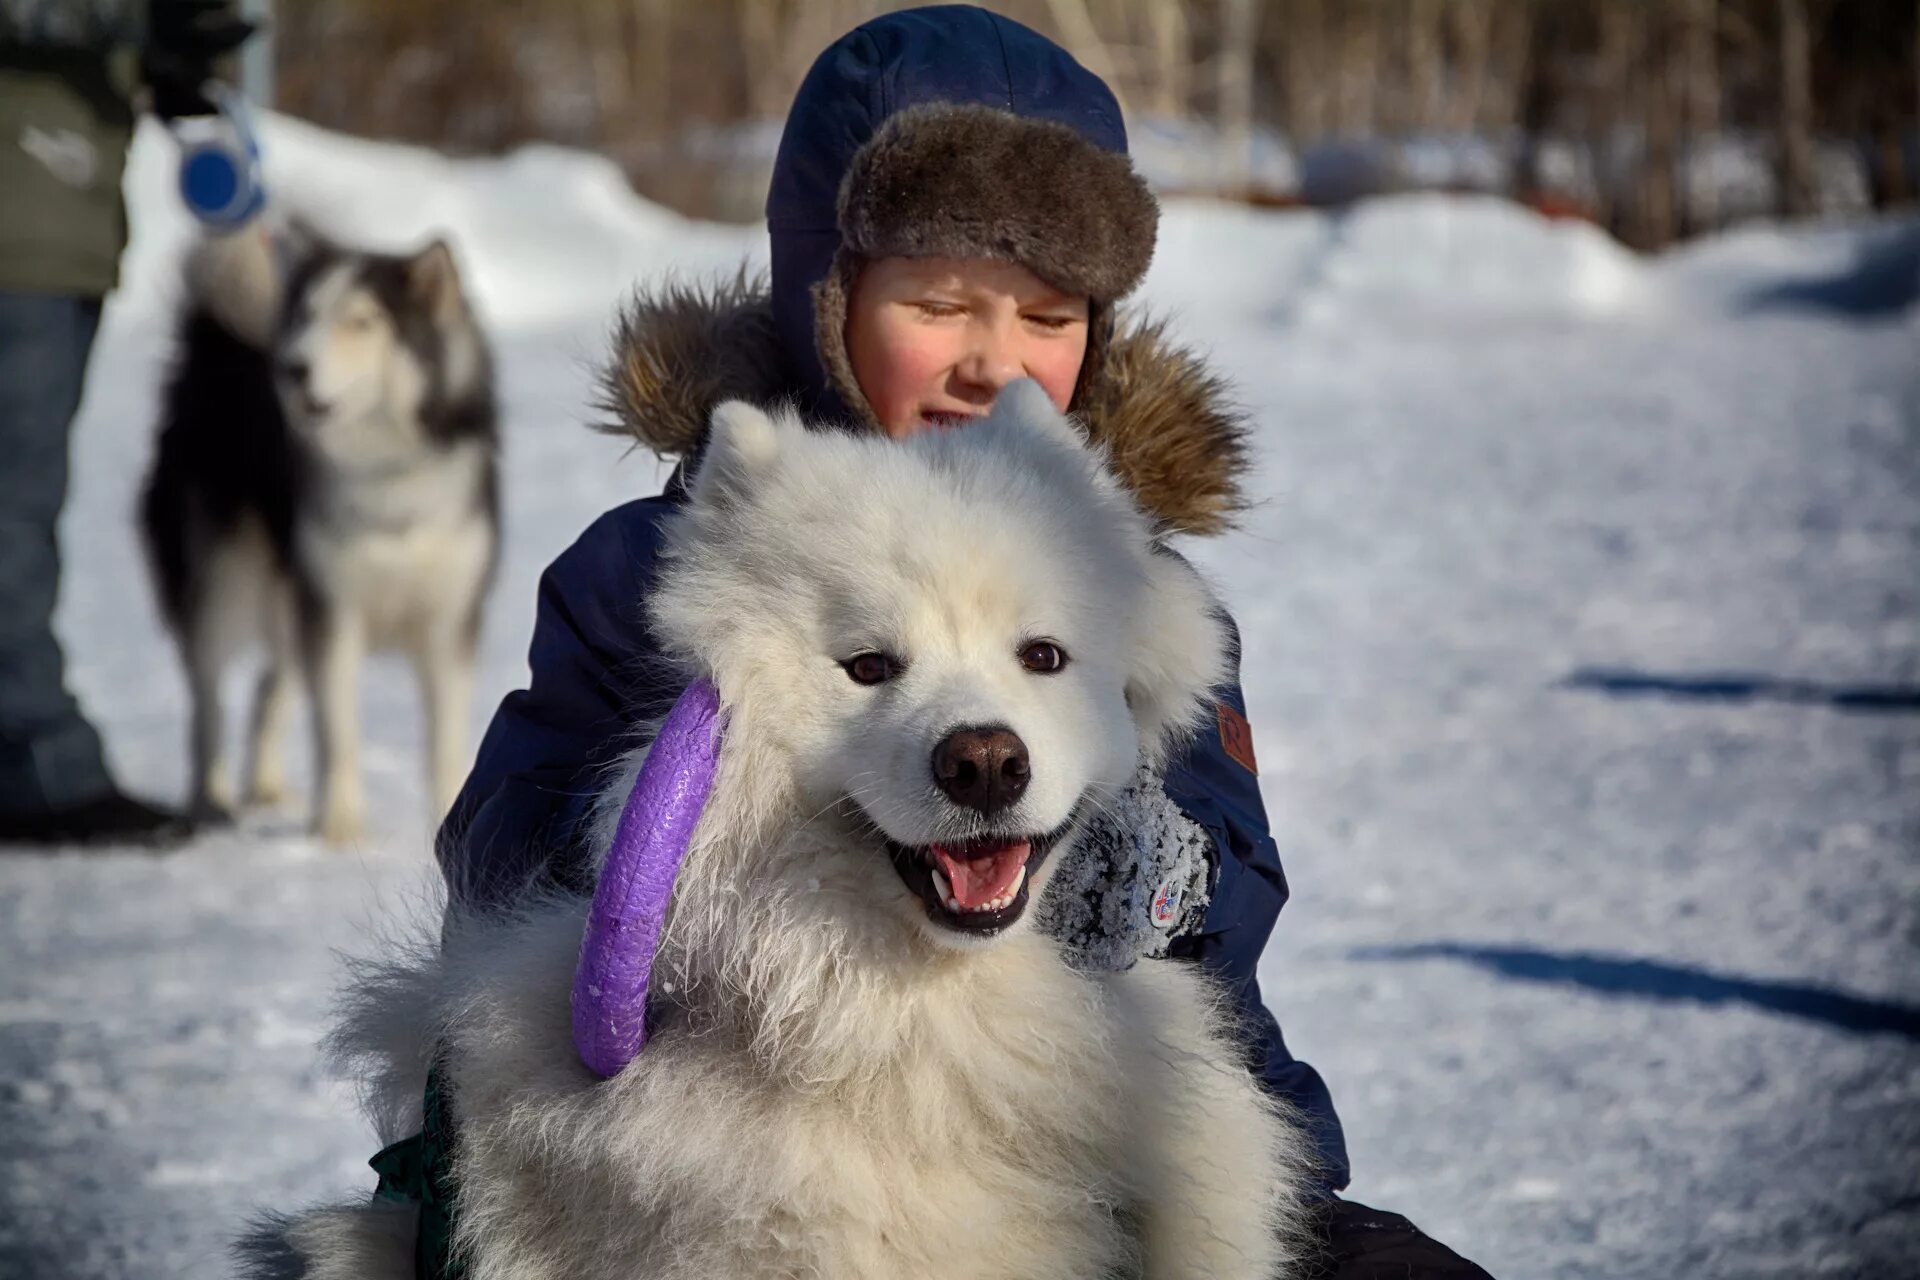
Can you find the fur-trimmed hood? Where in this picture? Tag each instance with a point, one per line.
(1171, 432)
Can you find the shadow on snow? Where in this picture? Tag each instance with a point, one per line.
(1744, 687)
(1630, 978)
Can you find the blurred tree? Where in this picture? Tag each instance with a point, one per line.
(1796, 110)
(1632, 110)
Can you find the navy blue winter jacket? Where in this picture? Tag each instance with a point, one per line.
(518, 821)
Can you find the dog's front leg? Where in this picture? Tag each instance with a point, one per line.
(1215, 1165)
(272, 706)
(335, 644)
(212, 788)
(444, 663)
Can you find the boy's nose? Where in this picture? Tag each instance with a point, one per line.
(992, 360)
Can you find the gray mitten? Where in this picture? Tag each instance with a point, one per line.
(1135, 879)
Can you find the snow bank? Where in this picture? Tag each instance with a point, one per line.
(1427, 251)
(549, 235)
(544, 235)
(1480, 251)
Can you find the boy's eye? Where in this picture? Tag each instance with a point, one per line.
(938, 310)
(871, 668)
(1043, 657)
(1054, 324)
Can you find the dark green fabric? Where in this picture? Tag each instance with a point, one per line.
(69, 74)
(66, 118)
(420, 1169)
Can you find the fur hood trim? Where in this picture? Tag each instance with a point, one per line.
(1172, 433)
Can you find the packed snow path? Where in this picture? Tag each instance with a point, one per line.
(1582, 622)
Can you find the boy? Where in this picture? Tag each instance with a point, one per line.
(951, 209)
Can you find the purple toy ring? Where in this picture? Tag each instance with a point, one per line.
(630, 902)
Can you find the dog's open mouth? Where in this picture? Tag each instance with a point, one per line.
(974, 886)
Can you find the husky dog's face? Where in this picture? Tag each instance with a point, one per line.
(957, 645)
(367, 341)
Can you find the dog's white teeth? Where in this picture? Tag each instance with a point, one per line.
(952, 903)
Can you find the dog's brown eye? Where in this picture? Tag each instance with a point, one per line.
(1043, 657)
(871, 668)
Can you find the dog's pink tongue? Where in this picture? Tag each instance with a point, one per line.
(978, 874)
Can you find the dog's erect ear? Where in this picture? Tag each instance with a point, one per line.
(1179, 653)
(741, 441)
(434, 278)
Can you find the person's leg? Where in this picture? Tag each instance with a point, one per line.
(53, 778)
(49, 755)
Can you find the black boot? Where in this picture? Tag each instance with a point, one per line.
(113, 818)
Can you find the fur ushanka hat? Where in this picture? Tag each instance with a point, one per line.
(965, 181)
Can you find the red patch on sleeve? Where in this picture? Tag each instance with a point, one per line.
(1236, 737)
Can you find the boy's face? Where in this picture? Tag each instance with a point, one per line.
(932, 340)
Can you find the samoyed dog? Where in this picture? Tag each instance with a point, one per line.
(934, 658)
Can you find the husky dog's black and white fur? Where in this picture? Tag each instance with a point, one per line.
(326, 484)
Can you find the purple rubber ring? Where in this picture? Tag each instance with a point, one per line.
(630, 902)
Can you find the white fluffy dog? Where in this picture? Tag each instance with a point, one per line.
(935, 656)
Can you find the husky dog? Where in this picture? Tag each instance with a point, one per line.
(935, 657)
(325, 483)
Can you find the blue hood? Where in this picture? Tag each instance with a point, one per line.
(945, 53)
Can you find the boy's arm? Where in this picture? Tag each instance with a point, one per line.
(517, 821)
(1215, 785)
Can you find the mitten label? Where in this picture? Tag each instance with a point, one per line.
(1165, 908)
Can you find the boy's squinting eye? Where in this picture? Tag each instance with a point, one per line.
(871, 668)
(936, 310)
(1055, 323)
(1043, 657)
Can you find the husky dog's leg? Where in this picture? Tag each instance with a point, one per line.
(203, 646)
(335, 642)
(272, 706)
(444, 662)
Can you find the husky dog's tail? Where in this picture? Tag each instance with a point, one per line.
(235, 277)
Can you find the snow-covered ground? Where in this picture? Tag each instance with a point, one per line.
(1583, 646)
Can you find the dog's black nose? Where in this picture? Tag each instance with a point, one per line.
(294, 370)
(984, 769)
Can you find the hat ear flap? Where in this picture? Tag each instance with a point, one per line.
(1181, 651)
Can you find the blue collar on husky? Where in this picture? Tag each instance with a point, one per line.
(420, 1170)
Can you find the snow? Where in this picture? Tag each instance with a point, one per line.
(1612, 970)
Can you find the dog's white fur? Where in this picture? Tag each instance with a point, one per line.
(834, 1086)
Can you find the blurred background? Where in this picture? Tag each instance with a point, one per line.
(1580, 343)
(1657, 119)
